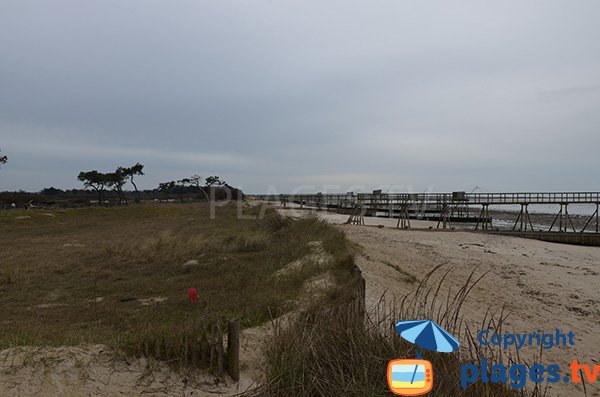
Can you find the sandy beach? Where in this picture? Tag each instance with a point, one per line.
(542, 285)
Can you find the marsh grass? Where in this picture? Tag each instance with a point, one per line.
(116, 275)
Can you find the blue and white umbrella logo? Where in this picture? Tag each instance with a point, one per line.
(427, 335)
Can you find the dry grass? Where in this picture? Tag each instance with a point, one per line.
(116, 275)
(406, 276)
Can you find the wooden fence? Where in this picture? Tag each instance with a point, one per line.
(217, 348)
(358, 301)
(200, 347)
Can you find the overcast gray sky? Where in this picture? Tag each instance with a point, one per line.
(443, 95)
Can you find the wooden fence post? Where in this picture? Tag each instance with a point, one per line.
(220, 352)
(233, 350)
(212, 349)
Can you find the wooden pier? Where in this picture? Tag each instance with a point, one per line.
(455, 207)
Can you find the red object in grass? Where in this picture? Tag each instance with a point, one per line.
(193, 295)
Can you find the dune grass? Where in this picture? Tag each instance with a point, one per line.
(328, 351)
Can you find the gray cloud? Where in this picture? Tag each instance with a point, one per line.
(303, 92)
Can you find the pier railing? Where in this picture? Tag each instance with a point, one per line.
(434, 198)
(451, 207)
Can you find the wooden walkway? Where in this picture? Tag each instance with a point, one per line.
(455, 207)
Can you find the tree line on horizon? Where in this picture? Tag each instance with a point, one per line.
(181, 186)
(101, 181)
